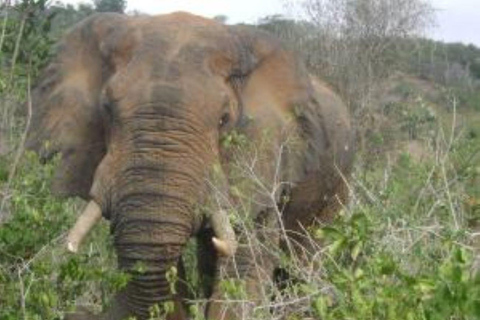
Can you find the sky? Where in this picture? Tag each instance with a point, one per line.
(235, 10)
(457, 20)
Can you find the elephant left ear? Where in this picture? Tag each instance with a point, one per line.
(272, 82)
(67, 105)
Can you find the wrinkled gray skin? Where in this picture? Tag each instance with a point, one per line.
(137, 107)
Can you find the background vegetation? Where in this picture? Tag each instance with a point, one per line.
(403, 248)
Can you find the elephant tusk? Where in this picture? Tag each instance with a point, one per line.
(83, 225)
(225, 241)
(226, 248)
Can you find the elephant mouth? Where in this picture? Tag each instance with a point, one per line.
(46, 152)
(46, 155)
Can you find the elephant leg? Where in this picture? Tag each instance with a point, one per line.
(181, 296)
(249, 281)
(207, 258)
(184, 292)
(314, 203)
(81, 315)
(118, 308)
(250, 271)
(118, 311)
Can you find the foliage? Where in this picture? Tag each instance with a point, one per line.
(372, 282)
(403, 249)
(38, 278)
(110, 5)
(435, 60)
(353, 44)
(468, 98)
(25, 41)
(413, 117)
(67, 15)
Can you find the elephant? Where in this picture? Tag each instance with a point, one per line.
(138, 107)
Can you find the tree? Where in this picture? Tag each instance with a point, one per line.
(221, 18)
(357, 42)
(68, 15)
(293, 32)
(110, 5)
(25, 37)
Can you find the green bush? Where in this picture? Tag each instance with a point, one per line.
(39, 279)
(403, 251)
(468, 98)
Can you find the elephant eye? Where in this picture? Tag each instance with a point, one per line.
(224, 120)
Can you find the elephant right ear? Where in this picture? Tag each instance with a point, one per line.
(68, 116)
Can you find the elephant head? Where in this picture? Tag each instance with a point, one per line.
(137, 107)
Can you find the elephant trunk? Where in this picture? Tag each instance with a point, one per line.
(152, 217)
(151, 224)
(152, 198)
(149, 248)
(150, 284)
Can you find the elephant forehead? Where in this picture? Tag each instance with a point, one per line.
(175, 43)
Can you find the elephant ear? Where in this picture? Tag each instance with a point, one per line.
(273, 84)
(274, 81)
(278, 89)
(281, 97)
(67, 101)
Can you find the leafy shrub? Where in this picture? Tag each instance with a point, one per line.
(468, 98)
(38, 278)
